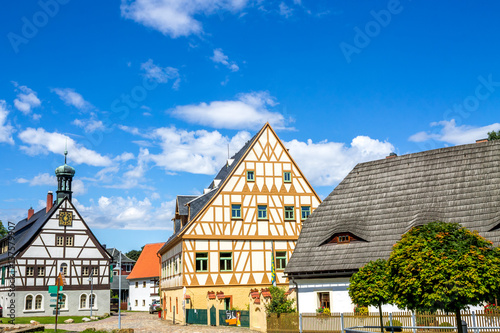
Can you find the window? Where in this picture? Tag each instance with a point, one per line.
(38, 302)
(343, 239)
(83, 301)
(136, 303)
(143, 302)
(144, 284)
(226, 261)
(60, 240)
(289, 213)
(262, 212)
(136, 284)
(64, 269)
(85, 271)
(324, 300)
(30, 271)
(250, 176)
(40, 271)
(69, 240)
(28, 304)
(236, 211)
(201, 262)
(95, 271)
(280, 259)
(92, 301)
(175, 266)
(305, 211)
(287, 177)
(63, 301)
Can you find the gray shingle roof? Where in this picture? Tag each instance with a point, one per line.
(379, 201)
(115, 254)
(182, 200)
(26, 229)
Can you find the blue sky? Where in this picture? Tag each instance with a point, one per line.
(150, 93)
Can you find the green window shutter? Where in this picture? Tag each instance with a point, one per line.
(3, 275)
(110, 273)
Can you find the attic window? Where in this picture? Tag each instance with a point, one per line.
(341, 239)
(250, 176)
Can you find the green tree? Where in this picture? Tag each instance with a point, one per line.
(493, 135)
(369, 286)
(279, 301)
(134, 254)
(442, 266)
(3, 231)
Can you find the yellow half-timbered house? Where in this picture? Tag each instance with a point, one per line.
(224, 239)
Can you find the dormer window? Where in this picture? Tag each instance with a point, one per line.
(342, 238)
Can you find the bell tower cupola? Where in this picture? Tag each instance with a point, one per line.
(64, 175)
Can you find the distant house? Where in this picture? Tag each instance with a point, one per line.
(379, 201)
(224, 239)
(127, 265)
(54, 240)
(143, 280)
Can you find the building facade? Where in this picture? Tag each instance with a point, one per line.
(143, 281)
(378, 202)
(55, 239)
(126, 268)
(224, 239)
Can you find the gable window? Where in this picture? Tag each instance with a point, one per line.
(28, 304)
(95, 271)
(287, 177)
(289, 213)
(250, 176)
(38, 302)
(226, 261)
(85, 271)
(83, 301)
(236, 211)
(262, 212)
(64, 269)
(60, 241)
(343, 238)
(324, 300)
(201, 262)
(69, 240)
(40, 271)
(280, 259)
(305, 211)
(30, 271)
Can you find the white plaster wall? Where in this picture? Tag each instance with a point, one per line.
(140, 293)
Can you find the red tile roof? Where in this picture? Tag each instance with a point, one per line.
(148, 264)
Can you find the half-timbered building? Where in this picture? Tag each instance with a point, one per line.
(224, 239)
(52, 240)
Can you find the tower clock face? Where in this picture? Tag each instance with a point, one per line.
(66, 218)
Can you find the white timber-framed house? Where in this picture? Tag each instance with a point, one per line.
(52, 240)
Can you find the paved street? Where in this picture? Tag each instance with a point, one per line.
(143, 322)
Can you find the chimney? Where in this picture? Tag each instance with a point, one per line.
(31, 211)
(392, 155)
(481, 140)
(50, 201)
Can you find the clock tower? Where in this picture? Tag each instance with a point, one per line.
(64, 175)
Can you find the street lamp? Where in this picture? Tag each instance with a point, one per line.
(120, 291)
(91, 298)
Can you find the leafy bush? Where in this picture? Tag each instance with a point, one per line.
(279, 302)
(361, 310)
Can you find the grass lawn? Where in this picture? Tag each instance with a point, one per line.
(44, 320)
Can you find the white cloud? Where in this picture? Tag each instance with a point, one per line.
(161, 74)
(71, 97)
(127, 213)
(285, 10)
(40, 142)
(46, 179)
(6, 129)
(89, 125)
(449, 132)
(220, 58)
(327, 163)
(199, 152)
(26, 99)
(176, 17)
(248, 111)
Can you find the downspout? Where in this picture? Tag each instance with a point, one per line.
(297, 292)
(159, 286)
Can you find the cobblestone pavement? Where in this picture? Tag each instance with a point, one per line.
(143, 322)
